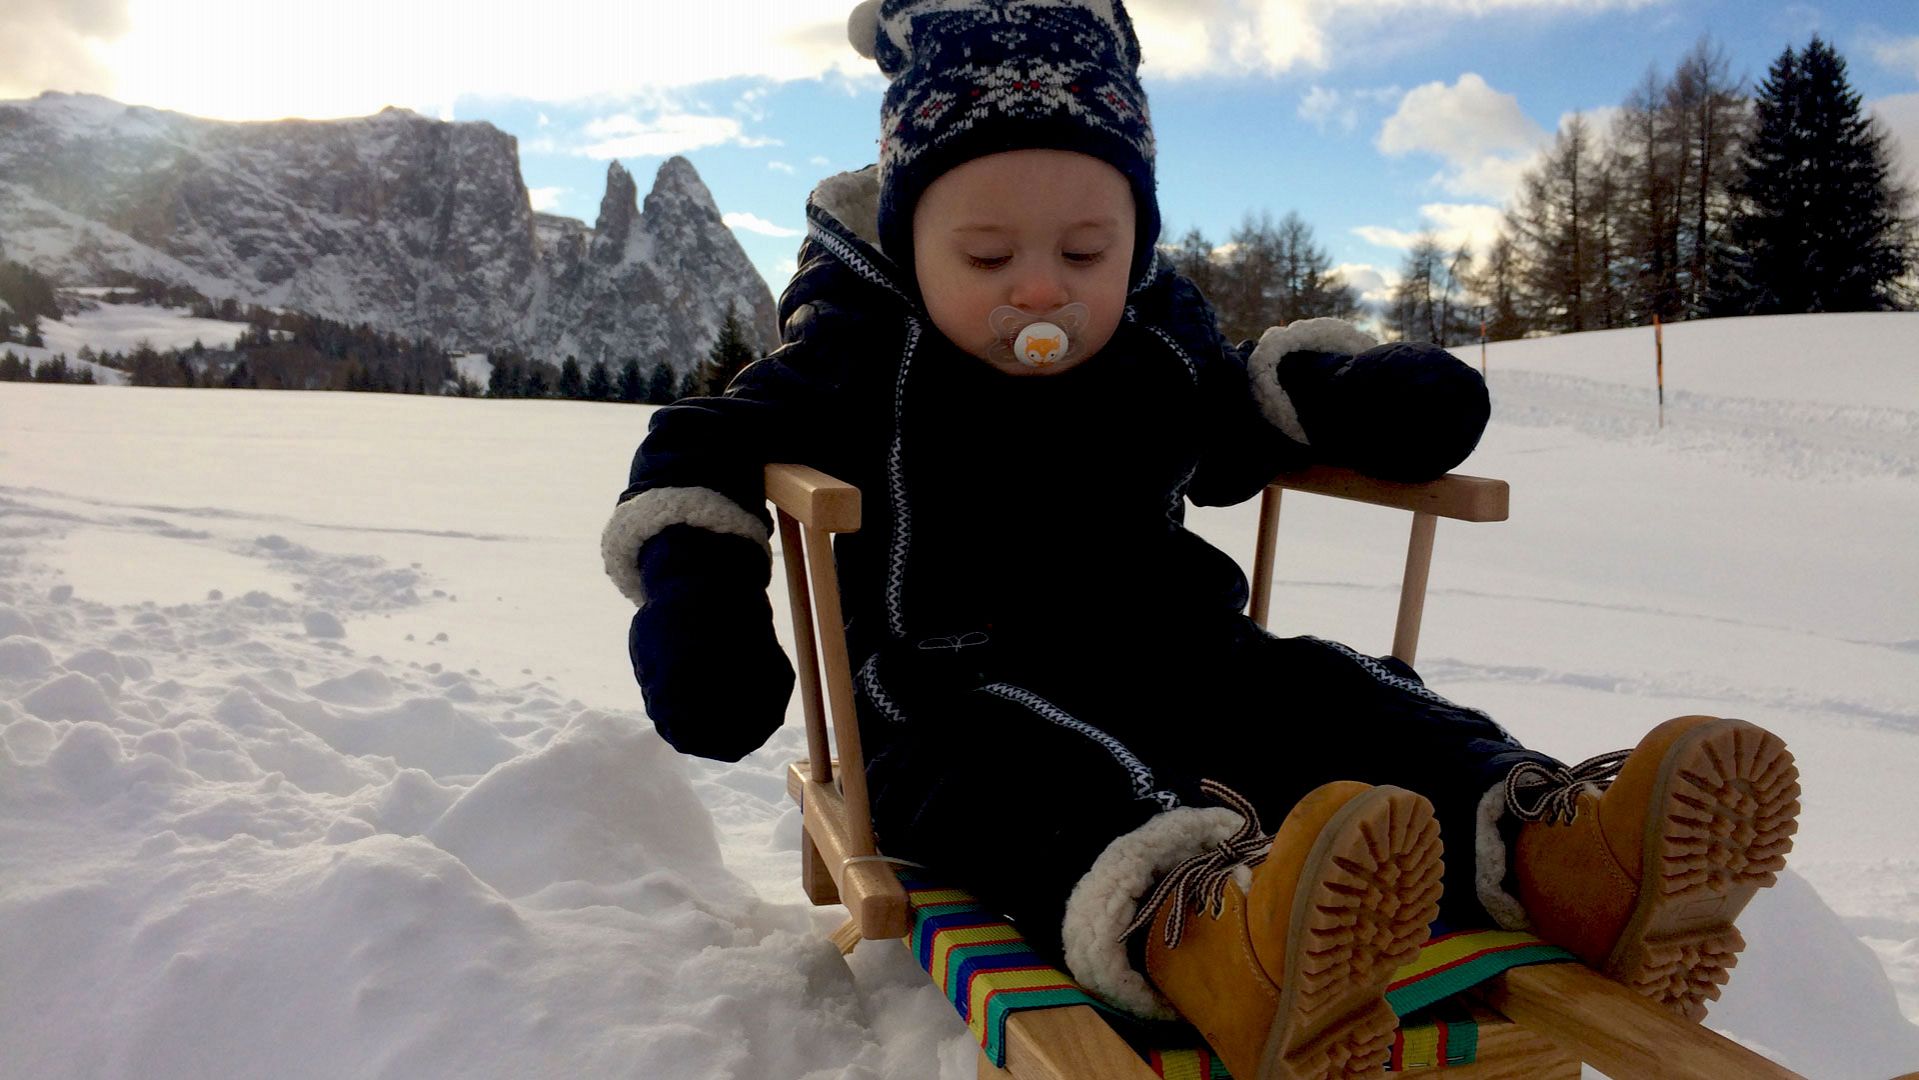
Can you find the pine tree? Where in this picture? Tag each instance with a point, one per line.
(632, 387)
(537, 383)
(32, 338)
(1820, 227)
(664, 386)
(12, 368)
(504, 380)
(730, 353)
(599, 381)
(572, 386)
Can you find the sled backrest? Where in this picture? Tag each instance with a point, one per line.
(1456, 496)
(842, 862)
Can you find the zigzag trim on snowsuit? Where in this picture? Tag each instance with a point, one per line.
(1145, 786)
(902, 537)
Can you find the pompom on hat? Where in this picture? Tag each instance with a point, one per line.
(978, 77)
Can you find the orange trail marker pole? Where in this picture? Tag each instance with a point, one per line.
(1659, 365)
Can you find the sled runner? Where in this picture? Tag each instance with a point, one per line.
(1480, 1005)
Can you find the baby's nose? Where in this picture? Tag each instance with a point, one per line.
(1038, 291)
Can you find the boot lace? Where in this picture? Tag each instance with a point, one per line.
(1200, 881)
(1535, 792)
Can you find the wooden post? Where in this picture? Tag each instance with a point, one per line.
(1263, 555)
(1412, 588)
(1659, 365)
(812, 698)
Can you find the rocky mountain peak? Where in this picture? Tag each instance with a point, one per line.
(409, 223)
(619, 207)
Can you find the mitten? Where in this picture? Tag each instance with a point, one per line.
(711, 670)
(1404, 411)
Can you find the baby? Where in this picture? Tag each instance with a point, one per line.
(1065, 709)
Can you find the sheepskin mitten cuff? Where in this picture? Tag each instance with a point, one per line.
(1105, 901)
(641, 518)
(1326, 335)
(978, 77)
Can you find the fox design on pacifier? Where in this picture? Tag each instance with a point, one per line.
(1038, 341)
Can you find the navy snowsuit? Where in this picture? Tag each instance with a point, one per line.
(1045, 656)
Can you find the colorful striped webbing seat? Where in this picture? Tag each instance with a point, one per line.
(987, 971)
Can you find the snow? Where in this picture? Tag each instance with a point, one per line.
(319, 756)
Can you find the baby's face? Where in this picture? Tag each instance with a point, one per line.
(1030, 229)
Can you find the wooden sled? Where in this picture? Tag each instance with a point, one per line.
(1537, 1022)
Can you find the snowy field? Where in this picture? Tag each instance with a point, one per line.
(122, 328)
(319, 756)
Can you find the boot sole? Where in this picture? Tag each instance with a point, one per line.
(1724, 809)
(1367, 894)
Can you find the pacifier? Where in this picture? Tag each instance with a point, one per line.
(1037, 341)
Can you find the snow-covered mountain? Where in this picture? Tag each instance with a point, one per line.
(415, 225)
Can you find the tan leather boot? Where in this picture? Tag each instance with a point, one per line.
(1644, 882)
(1286, 978)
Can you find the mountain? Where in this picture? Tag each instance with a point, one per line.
(414, 225)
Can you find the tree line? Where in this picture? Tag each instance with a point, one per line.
(279, 350)
(1266, 274)
(516, 375)
(1698, 200)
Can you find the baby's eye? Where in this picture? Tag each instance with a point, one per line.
(1087, 257)
(988, 262)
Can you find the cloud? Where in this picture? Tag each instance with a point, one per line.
(781, 167)
(545, 198)
(626, 136)
(1900, 55)
(1375, 284)
(1482, 135)
(1451, 224)
(1900, 115)
(578, 51)
(1324, 108)
(740, 219)
(1198, 38)
(50, 45)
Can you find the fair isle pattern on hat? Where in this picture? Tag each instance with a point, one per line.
(976, 77)
(971, 63)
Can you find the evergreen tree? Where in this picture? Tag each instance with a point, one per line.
(599, 382)
(6, 324)
(240, 378)
(572, 385)
(538, 383)
(632, 387)
(1820, 227)
(31, 337)
(730, 353)
(664, 386)
(12, 368)
(504, 379)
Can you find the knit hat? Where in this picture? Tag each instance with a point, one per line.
(978, 77)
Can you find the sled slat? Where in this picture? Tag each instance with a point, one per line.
(1455, 495)
(1068, 1043)
(1617, 1031)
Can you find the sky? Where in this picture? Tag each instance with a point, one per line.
(1373, 119)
